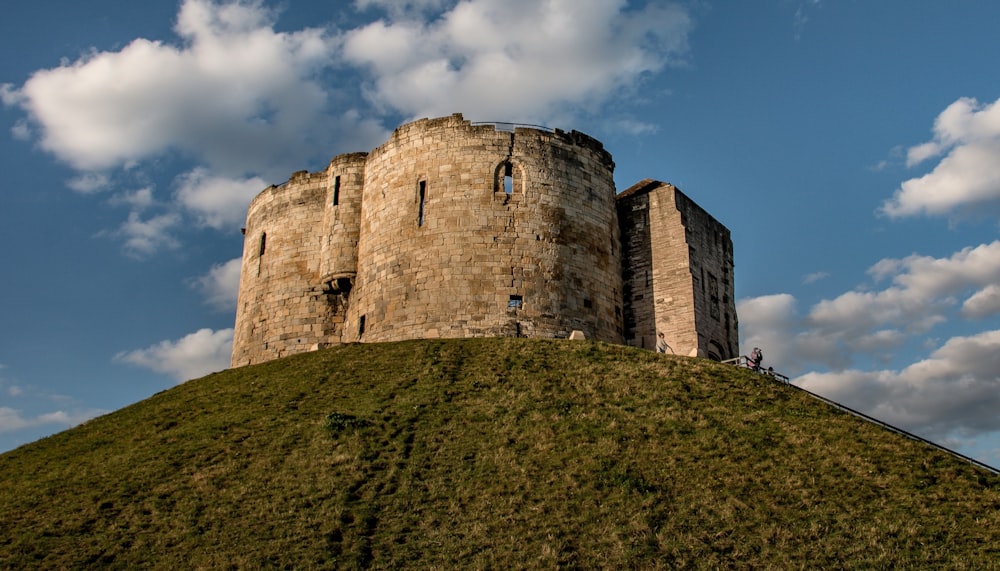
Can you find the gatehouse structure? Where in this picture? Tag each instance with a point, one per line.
(455, 229)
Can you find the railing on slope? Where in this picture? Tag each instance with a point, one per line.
(743, 361)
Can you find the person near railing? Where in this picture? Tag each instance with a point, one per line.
(755, 358)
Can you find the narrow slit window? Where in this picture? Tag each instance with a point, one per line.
(422, 198)
(336, 190)
(508, 179)
(361, 326)
(263, 244)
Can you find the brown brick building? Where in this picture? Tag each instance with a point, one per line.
(454, 229)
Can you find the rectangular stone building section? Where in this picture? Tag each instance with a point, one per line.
(677, 270)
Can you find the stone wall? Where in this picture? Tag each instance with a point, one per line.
(448, 248)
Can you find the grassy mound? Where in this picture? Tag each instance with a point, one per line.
(490, 453)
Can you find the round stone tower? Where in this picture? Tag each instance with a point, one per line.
(275, 313)
(481, 230)
(299, 262)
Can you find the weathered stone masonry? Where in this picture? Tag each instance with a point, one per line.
(452, 229)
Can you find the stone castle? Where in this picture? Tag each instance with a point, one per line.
(456, 229)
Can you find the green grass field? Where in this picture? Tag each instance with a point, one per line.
(490, 454)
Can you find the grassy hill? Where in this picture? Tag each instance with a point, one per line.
(491, 454)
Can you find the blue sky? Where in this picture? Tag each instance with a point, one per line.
(853, 149)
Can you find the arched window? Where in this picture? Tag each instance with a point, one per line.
(715, 350)
(508, 179)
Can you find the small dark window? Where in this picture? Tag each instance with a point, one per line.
(422, 197)
(508, 179)
(515, 302)
(344, 285)
(263, 243)
(361, 326)
(587, 303)
(336, 190)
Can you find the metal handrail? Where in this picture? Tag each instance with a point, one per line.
(507, 126)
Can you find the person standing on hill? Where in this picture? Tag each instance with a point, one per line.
(755, 358)
(661, 344)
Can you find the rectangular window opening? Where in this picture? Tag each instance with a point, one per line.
(263, 243)
(515, 302)
(336, 190)
(587, 303)
(508, 179)
(422, 198)
(361, 326)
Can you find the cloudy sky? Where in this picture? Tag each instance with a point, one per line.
(853, 148)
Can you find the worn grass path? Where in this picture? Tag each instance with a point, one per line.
(490, 454)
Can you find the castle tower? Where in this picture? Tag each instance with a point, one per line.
(470, 230)
(678, 273)
(282, 308)
(455, 229)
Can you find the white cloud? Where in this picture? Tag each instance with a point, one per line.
(801, 17)
(517, 60)
(194, 355)
(220, 285)
(983, 303)
(399, 9)
(922, 288)
(956, 390)
(968, 177)
(139, 199)
(216, 201)
(815, 277)
(770, 322)
(952, 395)
(631, 126)
(88, 183)
(10, 95)
(235, 95)
(922, 293)
(773, 323)
(241, 103)
(146, 237)
(21, 131)
(12, 419)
